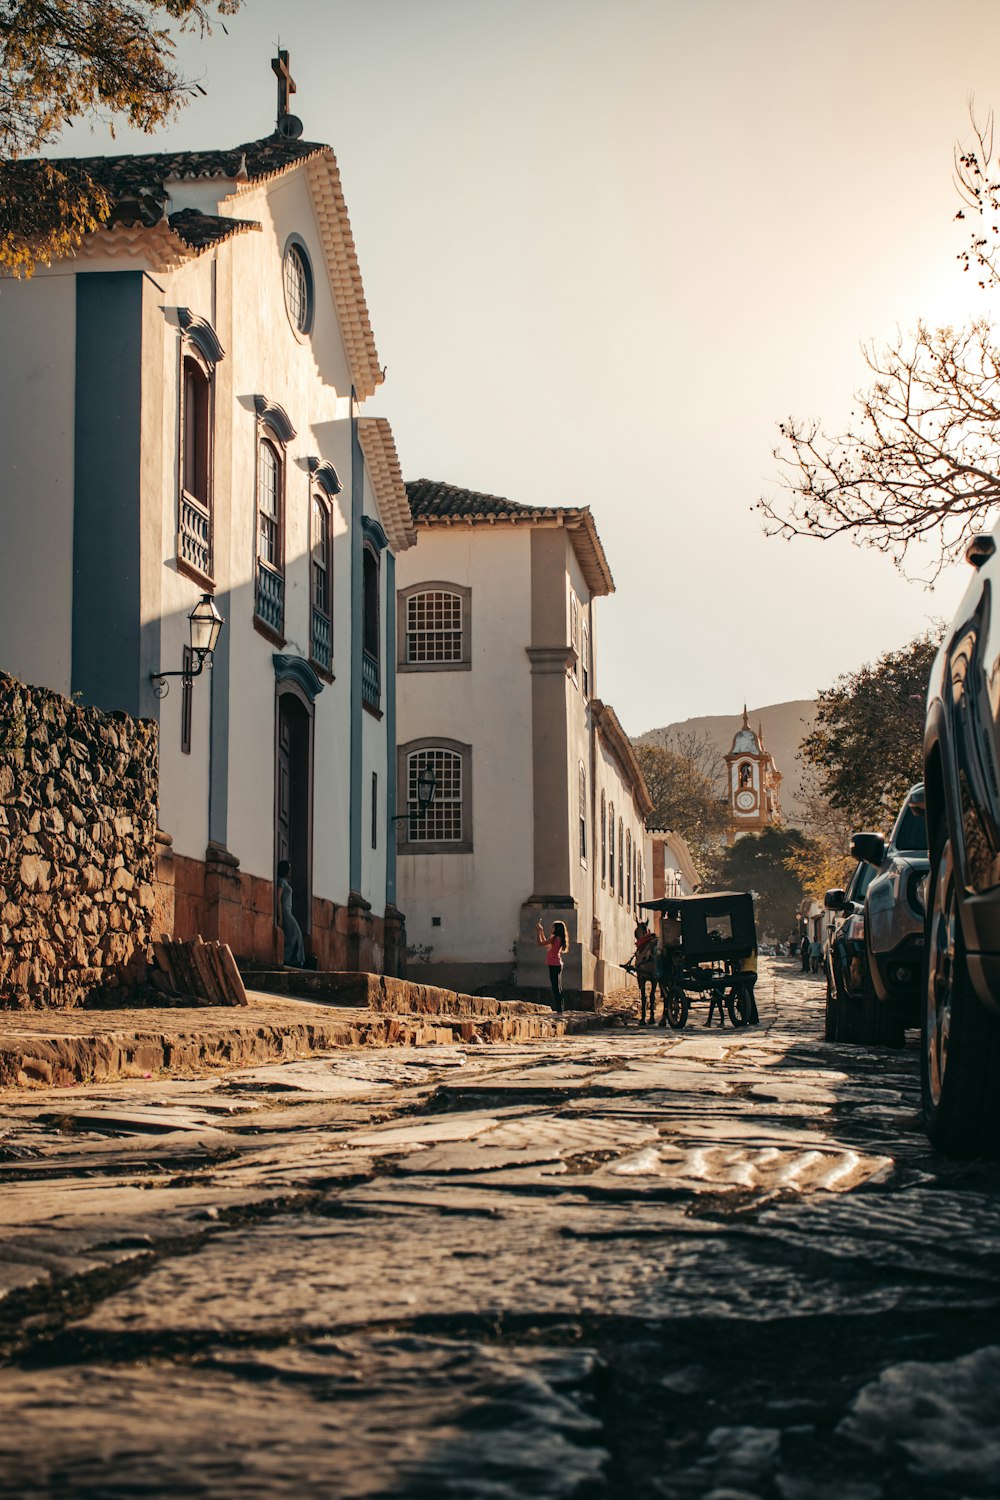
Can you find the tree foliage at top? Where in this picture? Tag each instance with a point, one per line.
(866, 746)
(766, 864)
(61, 60)
(920, 458)
(685, 800)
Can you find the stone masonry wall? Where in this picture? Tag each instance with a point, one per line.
(78, 793)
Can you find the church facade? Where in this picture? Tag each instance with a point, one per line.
(540, 808)
(198, 369)
(753, 783)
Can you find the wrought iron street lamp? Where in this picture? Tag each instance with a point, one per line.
(426, 787)
(204, 625)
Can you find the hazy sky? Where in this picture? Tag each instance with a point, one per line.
(607, 245)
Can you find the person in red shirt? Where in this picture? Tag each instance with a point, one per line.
(556, 945)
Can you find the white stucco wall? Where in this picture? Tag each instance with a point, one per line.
(38, 340)
(239, 289)
(478, 896)
(616, 917)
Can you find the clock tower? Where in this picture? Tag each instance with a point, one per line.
(752, 782)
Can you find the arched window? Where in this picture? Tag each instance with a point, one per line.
(604, 839)
(446, 824)
(274, 431)
(583, 814)
(371, 634)
(321, 584)
(200, 352)
(585, 660)
(628, 868)
(611, 845)
(621, 861)
(433, 626)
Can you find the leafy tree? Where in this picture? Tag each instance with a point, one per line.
(766, 864)
(61, 60)
(920, 458)
(685, 800)
(866, 746)
(824, 861)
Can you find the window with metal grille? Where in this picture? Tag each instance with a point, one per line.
(442, 821)
(583, 814)
(611, 845)
(585, 660)
(604, 839)
(628, 868)
(434, 626)
(621, 860)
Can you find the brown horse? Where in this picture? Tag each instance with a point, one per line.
(643, 965)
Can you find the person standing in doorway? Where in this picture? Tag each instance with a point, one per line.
(556, 945)
(295, 953)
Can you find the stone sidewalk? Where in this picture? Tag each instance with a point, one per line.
(66, 1047)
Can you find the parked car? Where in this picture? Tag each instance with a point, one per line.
(961, 1012)
(844, 956)
(881, 948)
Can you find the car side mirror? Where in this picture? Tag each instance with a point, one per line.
(834, 900)
(980, 549)
(869, 848)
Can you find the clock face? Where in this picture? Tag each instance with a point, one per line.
(745, 801)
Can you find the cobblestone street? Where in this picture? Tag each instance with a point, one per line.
(639, 1263)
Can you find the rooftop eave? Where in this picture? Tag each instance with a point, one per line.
(382, 463)
(342, 266)
(611, 732)
(579, 523)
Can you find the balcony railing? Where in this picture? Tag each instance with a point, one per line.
(321, 646)
(270, 603)
(369, 679)
(194, 539)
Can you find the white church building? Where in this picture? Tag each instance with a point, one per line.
(186, 420)
(540, 806)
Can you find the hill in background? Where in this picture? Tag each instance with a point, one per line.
(785, 726)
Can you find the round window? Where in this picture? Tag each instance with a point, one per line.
(298, 289)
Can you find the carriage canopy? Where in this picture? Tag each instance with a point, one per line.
(718, 925)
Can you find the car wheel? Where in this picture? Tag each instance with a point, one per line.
(960, 1039)
(863, 1020)
(675, 1008)
(736, 1005)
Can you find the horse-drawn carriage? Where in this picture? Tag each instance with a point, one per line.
(717, 934)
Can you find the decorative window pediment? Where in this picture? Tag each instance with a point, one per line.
(325, 475)
(200, 332)
(274, 416)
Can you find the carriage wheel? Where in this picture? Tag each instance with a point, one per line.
(736, 1005)
(675, 1008)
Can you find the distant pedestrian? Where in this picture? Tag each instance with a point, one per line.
(815, 955)
(804, 951)
(747, 971)
(556, 945)
(295, 953)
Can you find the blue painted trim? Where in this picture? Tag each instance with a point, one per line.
(218, 732)
(374, 533)
(202, 335)
(275, 417)
(110, 645)
(297, 670)
(357, 644)
(325, 475)
(390, 729)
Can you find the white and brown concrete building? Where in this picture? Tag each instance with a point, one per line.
(753, 782)
(186, 419)
(540, 805)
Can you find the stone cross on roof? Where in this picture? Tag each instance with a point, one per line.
(286, 83)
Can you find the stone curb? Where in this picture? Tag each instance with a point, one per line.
(46, 1049)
